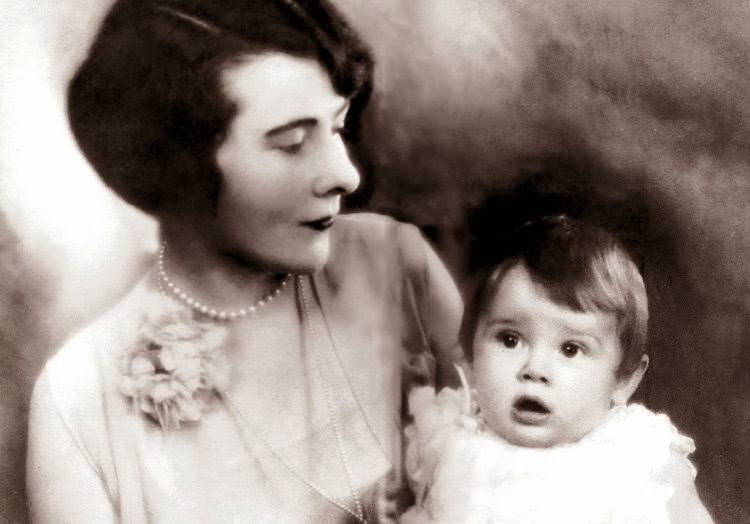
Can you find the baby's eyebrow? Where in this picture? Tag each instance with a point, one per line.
(582, 334)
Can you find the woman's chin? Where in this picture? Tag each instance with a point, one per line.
(297, 257)
(306, 261)
(316, 257)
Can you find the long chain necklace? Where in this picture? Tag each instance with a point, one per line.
(216, 314)
(358, 512)
(350, 383)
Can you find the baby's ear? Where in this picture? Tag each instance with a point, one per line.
(626, 386)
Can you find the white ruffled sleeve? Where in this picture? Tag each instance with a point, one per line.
(437, 419)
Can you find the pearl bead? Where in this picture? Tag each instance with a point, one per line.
(226, 314)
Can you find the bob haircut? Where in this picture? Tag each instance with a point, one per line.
(582, 267)
(147, 106)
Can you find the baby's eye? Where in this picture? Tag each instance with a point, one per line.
(507, 339)
(571, 349)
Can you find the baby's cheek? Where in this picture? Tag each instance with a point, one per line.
(493, 372)
(588, 418)
(490, 399)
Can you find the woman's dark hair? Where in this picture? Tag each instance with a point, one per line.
(581, 266)
(147, 107)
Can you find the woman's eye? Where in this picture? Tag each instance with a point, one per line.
(290, 148)
(290, 142)
(571, 349)
(509, 340)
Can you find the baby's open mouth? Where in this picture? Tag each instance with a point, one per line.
(530, 404)
(529, 409)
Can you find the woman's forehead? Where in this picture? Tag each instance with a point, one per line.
(273, 88)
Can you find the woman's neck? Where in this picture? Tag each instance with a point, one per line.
(210, 273)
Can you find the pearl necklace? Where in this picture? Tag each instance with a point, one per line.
(218, 314)
(358, 512)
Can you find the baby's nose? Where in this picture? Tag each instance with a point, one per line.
(535, 368)
(535, 376)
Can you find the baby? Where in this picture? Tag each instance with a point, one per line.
(557, 334)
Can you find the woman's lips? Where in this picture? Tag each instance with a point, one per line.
(530, 411)
(320, 224)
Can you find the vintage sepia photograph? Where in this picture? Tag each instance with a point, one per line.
(375, 261)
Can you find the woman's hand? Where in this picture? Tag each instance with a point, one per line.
(388, 499)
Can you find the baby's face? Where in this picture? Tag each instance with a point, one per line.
(545, 374)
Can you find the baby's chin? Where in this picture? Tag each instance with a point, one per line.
(535, 436)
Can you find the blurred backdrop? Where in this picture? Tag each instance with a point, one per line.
(633, 114)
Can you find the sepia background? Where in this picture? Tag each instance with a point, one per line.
(633, 114)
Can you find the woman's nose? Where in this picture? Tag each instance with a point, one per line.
(336, 173)
(535, 368)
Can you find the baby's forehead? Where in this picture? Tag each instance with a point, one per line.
(520, 297)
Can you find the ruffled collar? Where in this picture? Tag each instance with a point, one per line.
(620, 469)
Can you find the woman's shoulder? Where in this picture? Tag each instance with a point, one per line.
(367, 222)
(74, 374)
(384, 246)
(372, 231)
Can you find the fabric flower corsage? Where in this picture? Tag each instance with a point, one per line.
(174, 368)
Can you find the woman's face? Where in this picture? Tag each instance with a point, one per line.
(284, 164)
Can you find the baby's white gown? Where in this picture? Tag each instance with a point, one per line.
(463, 473)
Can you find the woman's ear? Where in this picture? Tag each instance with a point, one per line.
(626, 386)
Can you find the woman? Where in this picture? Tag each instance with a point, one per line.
(256, 373)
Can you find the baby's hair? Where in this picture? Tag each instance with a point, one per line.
(581, 266)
